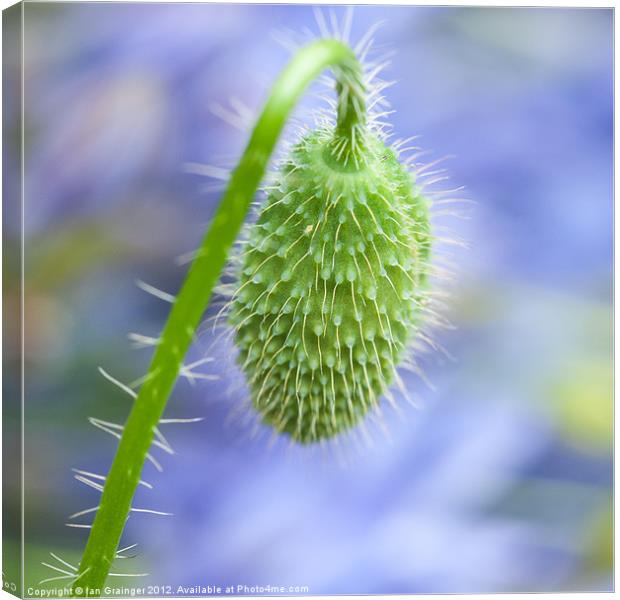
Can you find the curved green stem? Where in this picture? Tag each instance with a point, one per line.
(195, 293)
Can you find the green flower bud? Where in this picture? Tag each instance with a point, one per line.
(329, 299)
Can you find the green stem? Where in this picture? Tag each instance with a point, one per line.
(195, 293)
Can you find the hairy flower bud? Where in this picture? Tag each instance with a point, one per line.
(331, 285)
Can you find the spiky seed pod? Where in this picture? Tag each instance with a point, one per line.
(331, 286)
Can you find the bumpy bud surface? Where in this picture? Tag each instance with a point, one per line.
(331, 286)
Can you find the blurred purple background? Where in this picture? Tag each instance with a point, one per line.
(502, 480)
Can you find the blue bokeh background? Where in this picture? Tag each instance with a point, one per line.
(501, 480)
